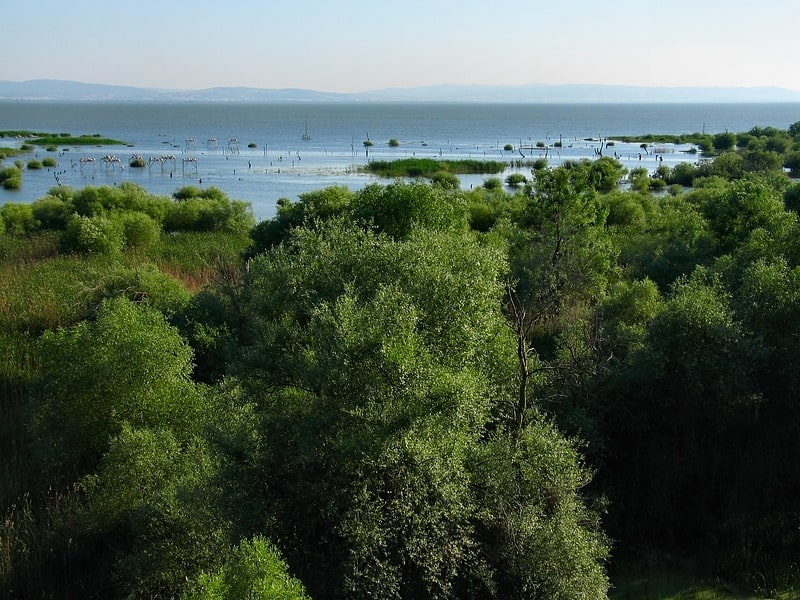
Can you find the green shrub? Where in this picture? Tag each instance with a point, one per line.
(493, 183)
(140, 230)
(142, 285)
(49, 162)
(209, 214)
(256, 570)
(34, 164)
(508, 147)
(11, 178)
(51, 212)
(445, 180)
(516, 179)
(18, 218)
(394, 143)
(92, 235)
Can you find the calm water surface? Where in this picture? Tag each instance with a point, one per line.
(255, 152)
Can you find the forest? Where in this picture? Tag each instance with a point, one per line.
(536, 389)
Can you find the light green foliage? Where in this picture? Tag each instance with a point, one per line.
(92, 235)
(127, 196)
(492, 183)
(397, 208)
(734, 211)
(18, 218)
(604, 173)
(729, 165)
(139, 230)
(255, 571)
(627, 313)
(209, 213)
(629, 212)
(11, 178)
(516, 179)
(639, 179)
(312, 209)
(446, 180)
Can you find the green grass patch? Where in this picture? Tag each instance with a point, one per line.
(660, 138)
(428, 167)
(81, 140)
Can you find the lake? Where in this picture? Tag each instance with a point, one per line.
(256, 152)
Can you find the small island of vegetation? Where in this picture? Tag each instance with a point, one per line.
(428, 167)
(62, 139)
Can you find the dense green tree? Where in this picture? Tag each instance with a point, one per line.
(149, 507)
(724, 141)
(378, 386)
(396, 208)
(127, 366)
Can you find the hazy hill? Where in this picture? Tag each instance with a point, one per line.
(48, 89)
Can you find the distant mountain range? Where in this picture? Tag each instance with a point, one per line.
(50, 89)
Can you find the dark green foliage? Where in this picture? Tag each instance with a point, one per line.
(516, 179)
(65, 139)
(377, 425)
(427, 167)
(127, 367)
(724, 141)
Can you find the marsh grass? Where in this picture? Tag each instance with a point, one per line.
(427, 167)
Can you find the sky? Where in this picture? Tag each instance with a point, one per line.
(363, 45)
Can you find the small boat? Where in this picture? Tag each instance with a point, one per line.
(306, 137)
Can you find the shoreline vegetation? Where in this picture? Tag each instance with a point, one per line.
(428, 167)
(61, 139)
(533, 390)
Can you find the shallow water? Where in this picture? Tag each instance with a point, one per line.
(255, 152)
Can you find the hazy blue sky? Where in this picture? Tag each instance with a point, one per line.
(359, 45)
